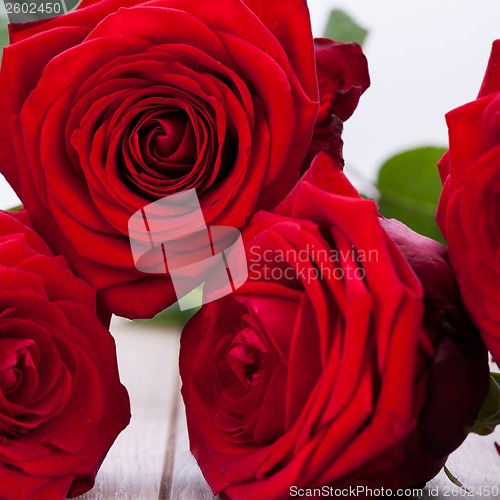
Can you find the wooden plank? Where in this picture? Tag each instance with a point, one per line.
(187, 481)
(148, 361)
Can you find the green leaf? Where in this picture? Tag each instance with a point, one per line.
(4, 33)
(489, 416)
(342, 28)
(15, 209)
(454, 480)
(409, 187)
(171, 317)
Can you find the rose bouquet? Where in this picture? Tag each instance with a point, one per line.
(353, 353)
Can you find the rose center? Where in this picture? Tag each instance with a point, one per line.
(9, 380)
(11, 376)
(16, 361)
(168, 143)
(246, 356)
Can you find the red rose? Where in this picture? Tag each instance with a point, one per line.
(61, 401)
(326, 368)
(122, 102)
(469, 208)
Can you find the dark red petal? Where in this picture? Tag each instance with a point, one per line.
(342, 77)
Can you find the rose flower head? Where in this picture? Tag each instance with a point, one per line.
(469, 207)
(334, 364)
(61, 401)
(121, 103)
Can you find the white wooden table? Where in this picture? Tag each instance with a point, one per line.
(151, 459)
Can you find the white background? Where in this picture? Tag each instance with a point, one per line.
(426, 57)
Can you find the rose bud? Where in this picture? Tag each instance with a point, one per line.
(61, 401)
(343, 76)
(327, 367)
(469, 207)
(459, 369)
